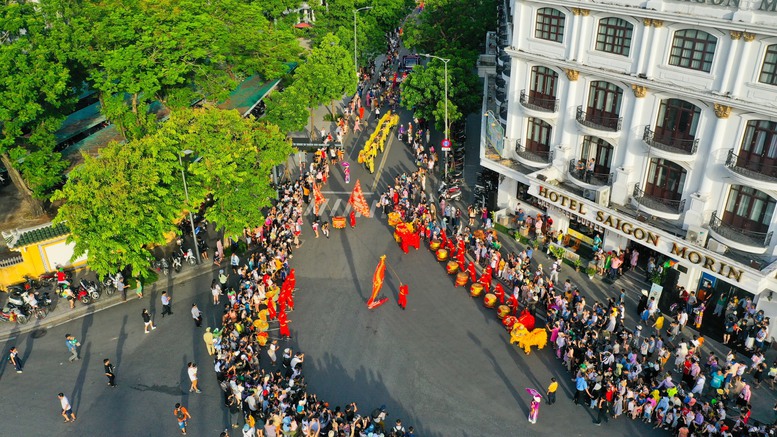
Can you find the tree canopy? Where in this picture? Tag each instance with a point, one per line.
(36, 90)
(128, 198)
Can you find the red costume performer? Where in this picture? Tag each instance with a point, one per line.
(271, 308)
(512, 302)
(500, 293)
(284, 325)
(402, 301)
(352, 218)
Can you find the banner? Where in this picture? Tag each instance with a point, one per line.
(318, 198)
(358, 202)
(377, 284)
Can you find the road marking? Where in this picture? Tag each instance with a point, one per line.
(344, 192)
(383, 160)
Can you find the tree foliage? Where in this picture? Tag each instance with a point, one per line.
(175, 52)
(287, 109)
(122, 201)
(453, 29)
(35, 91)
(129, 197)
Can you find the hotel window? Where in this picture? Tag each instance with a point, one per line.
(693, 49)
(538, 136)
(748, 209)
(550, 25)
(769, 68)
(759, 148)
(614, 36)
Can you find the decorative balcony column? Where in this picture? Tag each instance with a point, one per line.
(621, 187)
(644, 45)
(654, 49)
(716, 142)
(695, 214)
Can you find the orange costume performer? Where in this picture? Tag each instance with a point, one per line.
(402, 301)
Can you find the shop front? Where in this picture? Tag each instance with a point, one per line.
(688, 265)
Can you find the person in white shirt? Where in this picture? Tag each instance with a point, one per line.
(192, 371)
(67, 409)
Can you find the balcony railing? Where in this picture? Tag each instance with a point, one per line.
(592, 178)
(731, 232)
(669, 144)
(751, 169)
(544, 156)
(670, 206)
(610, 124)
(539, 104)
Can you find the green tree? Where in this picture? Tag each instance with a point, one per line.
(326, 75)
(122, 201)
(235, 158)
(287, 110)
(35, 92)
(174, 52)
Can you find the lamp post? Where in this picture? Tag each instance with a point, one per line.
(355, 62)
(445, 61)
(188, 152)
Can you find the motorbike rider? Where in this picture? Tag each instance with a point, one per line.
(29, 299)
(62, 281)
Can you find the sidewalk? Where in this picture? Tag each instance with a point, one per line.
(597, 290)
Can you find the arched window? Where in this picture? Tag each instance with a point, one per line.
(538, 136)
(694, 49)
(748, 209)
(614, 36)
(550, 25)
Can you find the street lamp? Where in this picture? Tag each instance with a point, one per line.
(188, 152)
(355, 62)
(445, 61)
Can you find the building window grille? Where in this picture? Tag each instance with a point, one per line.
(693, 49)
(614, 36)
(550, 25)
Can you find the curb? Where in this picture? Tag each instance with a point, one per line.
(56, 318)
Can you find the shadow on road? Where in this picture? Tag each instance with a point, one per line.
(8, 345)
(367, 385)
(122, 338)
(75, 397)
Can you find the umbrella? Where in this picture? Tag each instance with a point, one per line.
(533, 392)
(345, 164)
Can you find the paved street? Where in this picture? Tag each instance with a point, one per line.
(444, 365)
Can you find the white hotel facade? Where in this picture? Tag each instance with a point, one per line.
(653, 123)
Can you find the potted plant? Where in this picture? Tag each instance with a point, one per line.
(578, 262)
(591, 272)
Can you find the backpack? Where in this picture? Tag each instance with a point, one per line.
(398, 431)
(179, 414)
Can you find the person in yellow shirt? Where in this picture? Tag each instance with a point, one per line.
(659, 324)
(552, 391)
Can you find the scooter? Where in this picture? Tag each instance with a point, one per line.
(176, 260)
(111, 283)
(12, 315)
(449, 192)
(188, 256)
(90, 288)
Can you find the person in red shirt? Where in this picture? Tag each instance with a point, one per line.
(284, 325)
(403, 292)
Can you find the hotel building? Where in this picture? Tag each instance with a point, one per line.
(652, 123)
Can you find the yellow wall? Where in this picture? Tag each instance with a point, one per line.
(33, 263)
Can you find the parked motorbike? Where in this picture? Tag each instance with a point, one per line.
(13, 315)
(449, 192)
(176, 260)
(87, 289)
(188, 256)
(162, 266)
(111, 283)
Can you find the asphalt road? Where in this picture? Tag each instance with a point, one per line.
(444, 365)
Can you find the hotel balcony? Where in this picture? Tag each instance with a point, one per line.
(738, 238)
(591, 181)
(658, 206)
(673, 149)
(539, 107)
(533, 158)
(598, 125)
(752, 173)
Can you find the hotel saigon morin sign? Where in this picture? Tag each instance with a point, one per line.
(643, 235)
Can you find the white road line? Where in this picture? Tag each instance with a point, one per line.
(344, 192)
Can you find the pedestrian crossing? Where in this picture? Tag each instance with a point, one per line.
(338, 207)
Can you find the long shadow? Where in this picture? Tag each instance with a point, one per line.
(86, 324)
(121, 340)
(331, 382)
(11, 342)
(348, 252)
(75, 398)
(29, 341)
